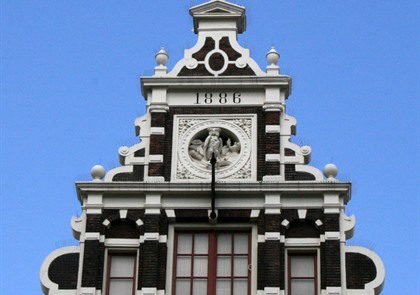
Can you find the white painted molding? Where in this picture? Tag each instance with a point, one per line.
(139, 222)
(123, 214)
(272, 128)
(106, 223)
(271, 291)
(318, 223)
(163, 239)
(148, 291)
(377, 284)
(255, 213)
(272, 236)
(154, 179)
(349, 225)
(272, 178)
(261, 238)
(92, 236)
(334, 291)
(156, 158)
(49, 287)
(157, 131)
(77, 226)
(88, 291)
(151, 236)
(296, 242)
(152, 211)
(332, 235)
(272, 158)
(170, 213)
(285, 223)
(122, 242)
(302, 213)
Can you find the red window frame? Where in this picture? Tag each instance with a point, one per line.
(109, 278)
(212, 261)
(289, 271)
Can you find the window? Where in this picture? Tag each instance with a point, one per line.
(302, 270)
(211, 263)
(121, 273)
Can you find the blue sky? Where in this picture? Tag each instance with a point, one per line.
(70, 93)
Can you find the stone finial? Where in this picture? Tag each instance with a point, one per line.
(273, 57)
(97, 172)
(162, 57)
(330, 172)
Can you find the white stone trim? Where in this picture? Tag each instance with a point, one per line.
(285, 223)
(77, 226)
(272, 157)
(155, 158)
(89, 291)
(272, 236)
(302, 213)
(163, 239)
(151, 236)
(271, 291)
(152, 211)
(139, 222)
(334, 291)
(261, 238)
(272, 128)
(106, 223)
(170, 213)
(297, 242)
(375, 286)
(255, 213)
(318, 223)
(123, 214)
(157, 130)
(122, 243)
(49, 287)
(92, 236)
(122, 169)
(332, 235)
(148, 291)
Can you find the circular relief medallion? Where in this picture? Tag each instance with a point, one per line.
(228, 142)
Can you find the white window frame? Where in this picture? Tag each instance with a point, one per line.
(231, 227)
(120, 250)
(303, 250)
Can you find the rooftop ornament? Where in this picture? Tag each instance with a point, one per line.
(330, 172)
(161, 59)
(97, 172)
(272, 59)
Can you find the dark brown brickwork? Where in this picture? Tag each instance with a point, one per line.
(289, 152)
(292, 174)
(137, 175)
(157, 144)
(161, 283)
(360, 270)
(209, 45)
(330, 264)
(261, 268)
(272, 168)
(148, 264)
(151, 223)
(158, 119)
(191, 215)
(156, 169)
(261, 223)
(64, 271)
(273, 143)
(272, 118)
(271, 264)
(123, 230)
(332, 222)
(302, 229)
(282, 269)
(272, 223)
(140, 153)
(234, 215)
(93, 264)
(224, 45)
(93, 223)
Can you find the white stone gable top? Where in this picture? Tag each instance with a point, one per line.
(219, 9)
(217, 52)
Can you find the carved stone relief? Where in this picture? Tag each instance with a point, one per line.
(229, 139)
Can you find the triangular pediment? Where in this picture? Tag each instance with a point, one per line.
(219, 9)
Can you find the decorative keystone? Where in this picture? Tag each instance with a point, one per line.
(97, 172)
(330, 172)
(162, 57)
(272, 57)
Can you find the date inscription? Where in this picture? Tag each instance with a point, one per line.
(218, 98)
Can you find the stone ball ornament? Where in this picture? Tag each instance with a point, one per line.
(330, 171)
(97, 172)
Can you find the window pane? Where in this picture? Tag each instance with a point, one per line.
(223, 266)
(200, 266)
(183, 267)
(241, 243)
(302, 266)
(224, 243)
(121, 287)
(122, 266)
(182, 287)
(201, 244)
(222, 287)
(199, 287)
(240, 287)
(184, 243)
(303, 287)
(240, 266)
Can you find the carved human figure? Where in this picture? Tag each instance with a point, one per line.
(213, 143)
